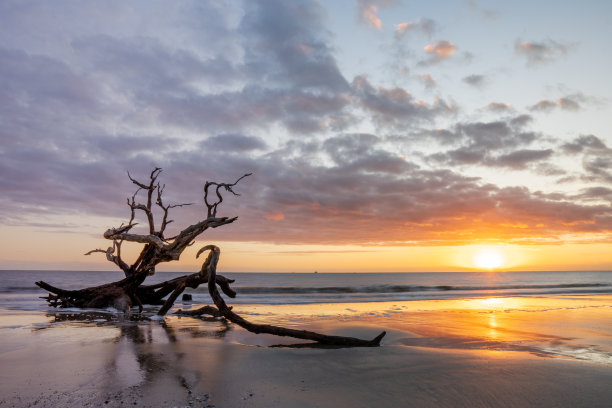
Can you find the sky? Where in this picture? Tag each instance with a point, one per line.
(383, 135)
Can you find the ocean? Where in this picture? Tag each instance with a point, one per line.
(18, 291)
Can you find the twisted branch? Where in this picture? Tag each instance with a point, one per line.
(212, 207)
(211, 266)
(116, 259)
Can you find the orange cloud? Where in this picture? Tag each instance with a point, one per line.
(401, 28)
(278, 216)
(442, 49)
(368, 14)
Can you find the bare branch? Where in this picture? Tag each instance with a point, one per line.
(116, 259)
(212, 207)
(165, 209)
(147, 208)
(114, 233)
(143, 239)
(139, 184)
(100, 250)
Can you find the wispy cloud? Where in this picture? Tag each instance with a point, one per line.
(475, 80)
(396, 107)
(487, 13)
(428, 81)
(423, 25)
(368, 11)
(499, 107)
(568, 103)
(540, 52)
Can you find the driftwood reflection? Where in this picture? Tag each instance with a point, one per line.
(139, 351)
(138, 328)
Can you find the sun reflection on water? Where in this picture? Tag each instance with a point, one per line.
(493, 301)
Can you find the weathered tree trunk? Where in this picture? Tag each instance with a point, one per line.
(130, 291)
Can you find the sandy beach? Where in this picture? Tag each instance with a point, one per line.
(503, 352)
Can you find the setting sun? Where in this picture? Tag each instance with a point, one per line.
(489, 258)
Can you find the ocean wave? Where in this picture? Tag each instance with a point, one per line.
(279, 290)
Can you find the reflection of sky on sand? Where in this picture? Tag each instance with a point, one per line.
(136, 351)
(562, 326)
(103, 351)
(453, 351)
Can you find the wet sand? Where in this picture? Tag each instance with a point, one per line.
(506, 352)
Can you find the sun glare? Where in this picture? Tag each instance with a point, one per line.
(489, 258)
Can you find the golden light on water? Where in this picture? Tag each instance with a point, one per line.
(493, 301)
(489, 258)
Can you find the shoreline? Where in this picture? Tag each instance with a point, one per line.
(460, 353)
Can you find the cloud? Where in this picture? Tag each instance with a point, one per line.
(596, 194)
(548, 169)
(598, 165)
(515, 160)
(286, 45)
(543, 105)
(441, 50)
(148, 64)
(474, 80)
(368, 15)
(428, 81)
(596, 157)
(423, 25)
(519, 159)
(288, 75)
(499, 107)
(540, 52)
(488, 14)
(396, 107)
(369, 195)
(260, 90)
(568, 103)
(234, 143)
(520, 121)
(343, 189)
(492, 144)
(583, 142)
(368, 11)
(494, 135)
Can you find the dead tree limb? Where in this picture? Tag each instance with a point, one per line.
(204, 310)
(211, 261)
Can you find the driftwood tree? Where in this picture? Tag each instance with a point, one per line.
(158, 248)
